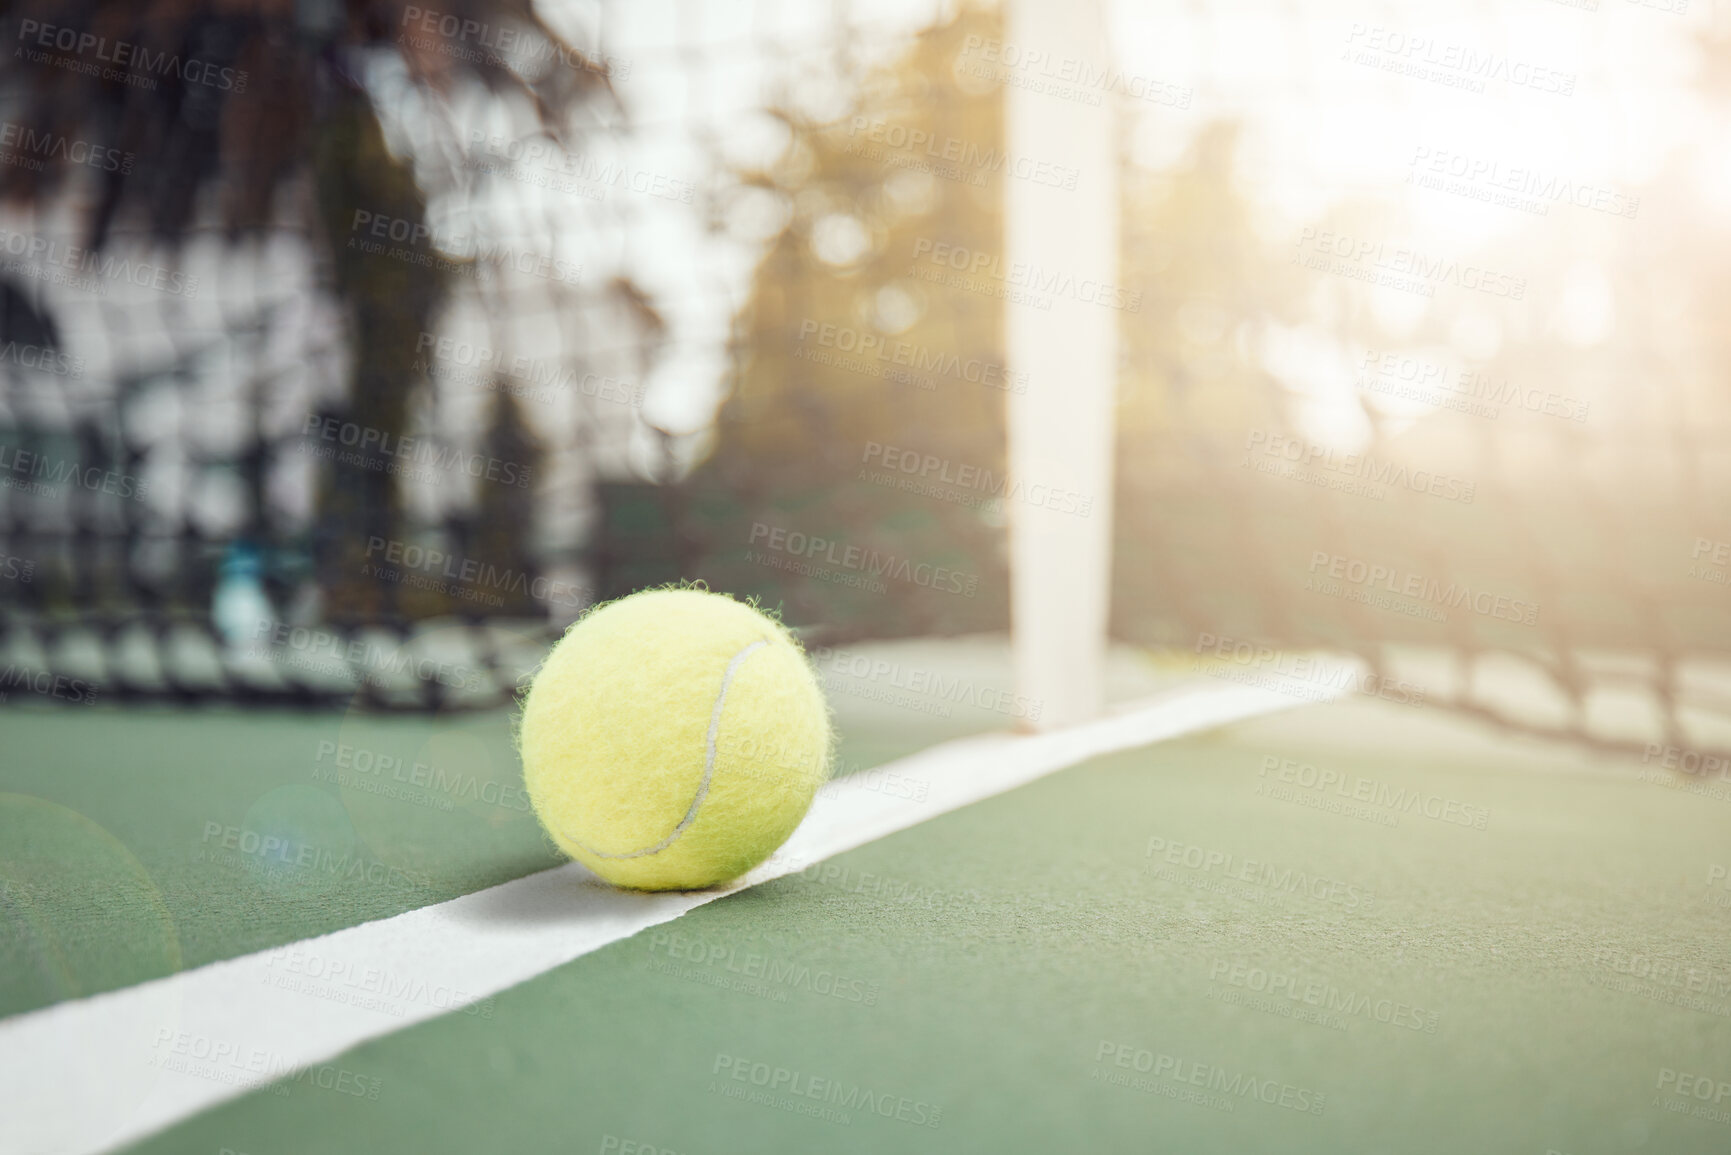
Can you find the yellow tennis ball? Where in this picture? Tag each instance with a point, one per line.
(673, 739)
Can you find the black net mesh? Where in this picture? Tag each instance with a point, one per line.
(389, 456)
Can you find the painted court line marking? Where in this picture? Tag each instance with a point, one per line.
(97, 1073)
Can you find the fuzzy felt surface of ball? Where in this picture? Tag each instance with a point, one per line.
(673, 739)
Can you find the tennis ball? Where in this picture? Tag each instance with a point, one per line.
(673, 739)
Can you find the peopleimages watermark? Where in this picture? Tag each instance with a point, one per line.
(222, 1061)
(756, 757)
(1291, 995)
(1397, 267)
(1270, 878)
(946, 687)
(915, 472)
(323, 651)
(899, 360)
(1360, 474)
(1693, 762)
(360, 768)
(451, 361)
(1451, 65)
(821, 1098)
(309, 972)
(1719, 879)
(477, 42)
(1020, 282)
(17, 569)
(46, 684)
(775, 759)
(1066, 77)
(760, 973)
(1520, 187)
(34, 148)
(1304, 676)
(877, 780)
(1228, 1088)
(1670, 7)
(614, 1145)
(1470, 391)
(544, 163)
(383, 451)
(1306, 779)
(854, 562)
(926, 151)
(1663, 979)
(883, 888)
(416, 243)
(426, 567)
(38, 474)
(85, 269)
(1691, 771)
(1717, 566)
(1379, 584)
(1679, 1092)
(216, 1060)
(41, 358)
(274, 853)
(120, 60)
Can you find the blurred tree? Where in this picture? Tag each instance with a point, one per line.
(1192, 383)
(848, 360)
(225, 106)
(506, 511)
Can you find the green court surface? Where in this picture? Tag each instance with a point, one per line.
(133, 842)
(1169, 949)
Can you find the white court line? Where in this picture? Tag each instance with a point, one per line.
(93, 1074)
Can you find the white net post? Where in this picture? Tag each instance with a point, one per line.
(1062, 254)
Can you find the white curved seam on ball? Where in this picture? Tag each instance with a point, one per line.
(708, 763)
